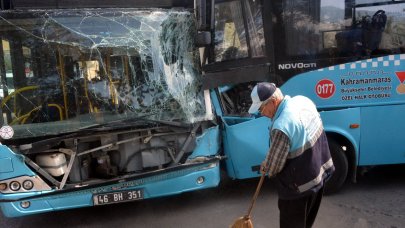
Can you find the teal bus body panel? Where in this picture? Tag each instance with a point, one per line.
(12, 164)
(376, 87)
(362, 83)
(339, 121)
(246, 142)
(6, 165)
(382, 135)
(216, 103)
(207, 143)
(156, 186)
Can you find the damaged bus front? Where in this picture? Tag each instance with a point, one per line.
(101, 106)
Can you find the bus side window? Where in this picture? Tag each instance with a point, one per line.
(339, 32)
(386, 32)
(364, 36)
(376, 31)
(238, 30)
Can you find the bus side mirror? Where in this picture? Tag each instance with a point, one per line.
(203, 38)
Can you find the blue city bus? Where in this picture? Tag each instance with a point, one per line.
(107, 102)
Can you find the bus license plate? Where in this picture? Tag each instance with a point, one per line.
(117, 197)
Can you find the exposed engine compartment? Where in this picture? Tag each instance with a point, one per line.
(99, 156)
(236, 99)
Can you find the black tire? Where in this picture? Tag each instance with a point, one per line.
(340, 162)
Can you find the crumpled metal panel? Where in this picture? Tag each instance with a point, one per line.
(87, 67)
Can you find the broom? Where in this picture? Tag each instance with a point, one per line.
(245, 221)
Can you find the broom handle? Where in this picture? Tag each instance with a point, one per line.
(256, 194)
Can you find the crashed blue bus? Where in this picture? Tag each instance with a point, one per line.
(107, 102)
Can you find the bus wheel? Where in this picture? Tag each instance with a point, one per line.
(341, 168)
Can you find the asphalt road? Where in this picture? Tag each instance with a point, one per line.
(377, 200)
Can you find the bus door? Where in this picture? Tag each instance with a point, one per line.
(382, 138)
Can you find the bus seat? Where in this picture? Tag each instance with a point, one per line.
(364, 36)
(349, 41)
(372, 34)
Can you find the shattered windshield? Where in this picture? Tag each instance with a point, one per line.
(62, 71)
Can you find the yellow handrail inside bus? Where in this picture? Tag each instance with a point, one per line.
(18, 91)
(113, 94)
(63, 81)
(60, 109)
(24, 117)
(86, 90)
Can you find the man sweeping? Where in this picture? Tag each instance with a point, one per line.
(299, 157)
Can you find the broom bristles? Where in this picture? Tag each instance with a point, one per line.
(243, 222)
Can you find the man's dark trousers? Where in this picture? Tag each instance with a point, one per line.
(301, 212)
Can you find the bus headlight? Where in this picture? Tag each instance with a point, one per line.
(15, 186)
(24, 184)
(3, 186)
(28, 185)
